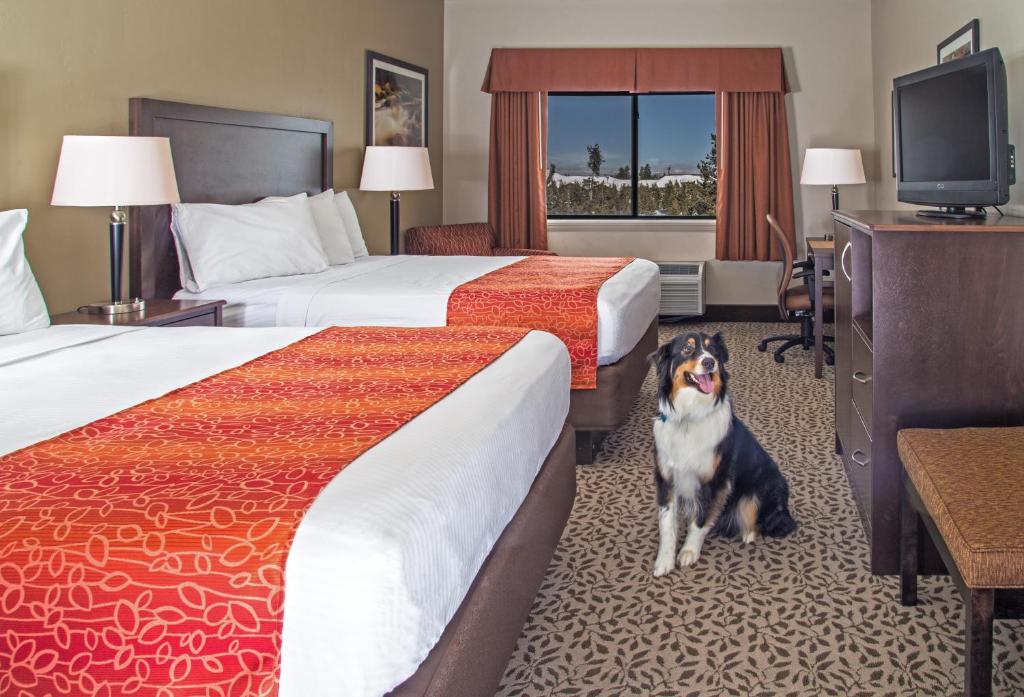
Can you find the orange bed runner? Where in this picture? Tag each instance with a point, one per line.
(144, 553)
(556, 294)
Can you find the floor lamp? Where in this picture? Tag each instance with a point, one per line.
(396, 168)
(832, 167)
(115, 171)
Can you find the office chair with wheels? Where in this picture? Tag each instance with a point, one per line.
(798, 301)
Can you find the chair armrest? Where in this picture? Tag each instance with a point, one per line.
(803, 265)
(804, 274)
(516, 252)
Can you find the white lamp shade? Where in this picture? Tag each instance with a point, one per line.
(396, 168)
(115, 171)
(831, 166)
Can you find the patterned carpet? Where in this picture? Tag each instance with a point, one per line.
(800, 616)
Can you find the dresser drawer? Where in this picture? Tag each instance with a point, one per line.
(205, 320)
(857, 459)
(861, 377)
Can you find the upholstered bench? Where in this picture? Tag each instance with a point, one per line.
(965, 487)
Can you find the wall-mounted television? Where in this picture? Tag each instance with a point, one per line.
(950, 136)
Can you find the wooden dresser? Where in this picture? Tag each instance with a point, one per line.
(929, 328)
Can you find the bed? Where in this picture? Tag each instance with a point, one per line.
(386, 587)
(230, 156)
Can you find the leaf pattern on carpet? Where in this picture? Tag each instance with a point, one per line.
(799, 616)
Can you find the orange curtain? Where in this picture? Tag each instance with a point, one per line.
(517, 202)
(635, 70)
(560, 70)
(754, 175)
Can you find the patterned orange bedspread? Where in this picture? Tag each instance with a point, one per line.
(144, 553)
(556, 294)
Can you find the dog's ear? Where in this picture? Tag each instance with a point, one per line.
(661, 355)
(662, 360)
(719, 340)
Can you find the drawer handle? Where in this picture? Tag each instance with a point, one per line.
(862, 377)
(842, 260)
(860, 457)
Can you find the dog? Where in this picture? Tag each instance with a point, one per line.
(706, 461)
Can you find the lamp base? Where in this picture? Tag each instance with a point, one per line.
(114, 308)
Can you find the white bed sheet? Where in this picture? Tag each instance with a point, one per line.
(413, 291)
(386, 553)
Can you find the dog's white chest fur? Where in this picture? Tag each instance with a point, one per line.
(686, 445)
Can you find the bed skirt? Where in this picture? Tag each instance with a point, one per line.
(594, 412)
(470, 657)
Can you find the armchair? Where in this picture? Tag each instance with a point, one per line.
(463, 239)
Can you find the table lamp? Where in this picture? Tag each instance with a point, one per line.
(115, 171)
(396, 168)
(832, 167)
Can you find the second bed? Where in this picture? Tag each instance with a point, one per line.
(233, 157)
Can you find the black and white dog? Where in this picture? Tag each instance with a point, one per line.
(706, 460)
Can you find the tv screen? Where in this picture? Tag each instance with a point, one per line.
(944, 123)
(951, 137)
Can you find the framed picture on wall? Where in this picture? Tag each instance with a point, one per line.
(963, 42)
(396, 102)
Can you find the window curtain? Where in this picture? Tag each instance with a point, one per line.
(517, 202)
(754, 175)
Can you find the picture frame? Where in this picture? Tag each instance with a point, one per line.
(963, 42)
(396, 102)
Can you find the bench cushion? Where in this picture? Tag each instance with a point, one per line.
(971, 480)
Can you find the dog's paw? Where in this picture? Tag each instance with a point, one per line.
(662, 566)
(688, 557)
(750, 538)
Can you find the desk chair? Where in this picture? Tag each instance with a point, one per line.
(797, 302)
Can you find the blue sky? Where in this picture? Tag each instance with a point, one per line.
(674, 130)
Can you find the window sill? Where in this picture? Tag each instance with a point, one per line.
(703, 225)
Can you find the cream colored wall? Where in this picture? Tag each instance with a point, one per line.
(826, 44)
(69, 66)
(905, 34)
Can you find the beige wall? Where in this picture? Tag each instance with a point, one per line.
(905, 34)
(828, 58)
(69, 66)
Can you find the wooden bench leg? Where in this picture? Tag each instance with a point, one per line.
(978, 655)
(910, 536)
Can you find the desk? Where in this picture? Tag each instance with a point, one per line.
(824, 254)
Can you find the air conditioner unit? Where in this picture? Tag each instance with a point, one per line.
(682, 288)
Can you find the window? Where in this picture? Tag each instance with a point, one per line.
(621, 155)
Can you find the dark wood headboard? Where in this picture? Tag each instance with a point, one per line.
(220, 156)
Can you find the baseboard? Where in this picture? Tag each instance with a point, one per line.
(734, 313)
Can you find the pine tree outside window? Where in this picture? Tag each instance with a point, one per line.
(622, 156)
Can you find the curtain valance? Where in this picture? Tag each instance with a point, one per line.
(636, 70)
(561, 70)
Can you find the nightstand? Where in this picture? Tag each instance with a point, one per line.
(158, 313)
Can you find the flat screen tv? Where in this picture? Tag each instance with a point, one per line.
(950, 136)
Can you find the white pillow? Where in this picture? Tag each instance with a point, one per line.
(348, 216)
(230, 244)
(21, 302)
(329, 226)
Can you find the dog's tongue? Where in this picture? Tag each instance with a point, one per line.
(704, 383)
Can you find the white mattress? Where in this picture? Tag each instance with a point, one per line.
(386, 553)
(413, 291)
